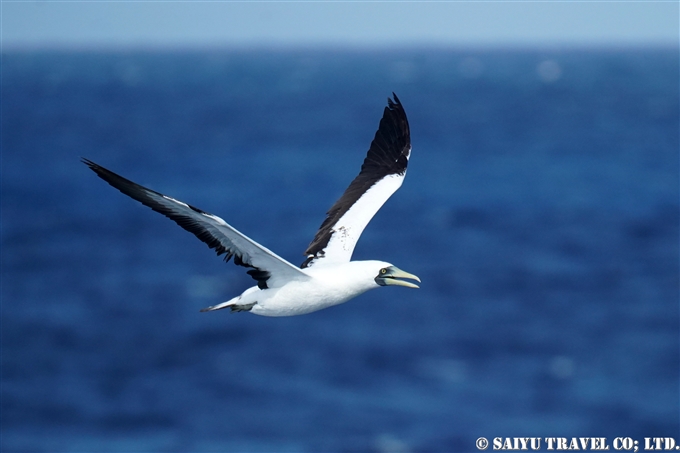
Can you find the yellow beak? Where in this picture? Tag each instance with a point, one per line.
(393, 273)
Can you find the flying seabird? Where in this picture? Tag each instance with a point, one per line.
(327, 277)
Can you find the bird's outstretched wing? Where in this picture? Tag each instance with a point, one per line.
(270, 270)
(381, 175)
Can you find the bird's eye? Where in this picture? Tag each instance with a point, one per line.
(383, 271)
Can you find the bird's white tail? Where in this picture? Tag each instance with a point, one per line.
(237, 303)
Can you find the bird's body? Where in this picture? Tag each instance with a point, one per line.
(325, 287)
(327, 277)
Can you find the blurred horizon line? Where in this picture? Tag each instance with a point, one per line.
(344, 47)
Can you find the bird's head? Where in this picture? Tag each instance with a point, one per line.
(389, 275)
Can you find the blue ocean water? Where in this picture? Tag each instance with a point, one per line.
(541, 211)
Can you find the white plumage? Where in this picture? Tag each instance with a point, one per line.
(327, 277)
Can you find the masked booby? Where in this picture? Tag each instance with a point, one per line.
(327, 277)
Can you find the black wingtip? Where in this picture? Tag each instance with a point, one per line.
(124, 185)
(93, 166)
(396, 101)
(98, 169)
(394, 106)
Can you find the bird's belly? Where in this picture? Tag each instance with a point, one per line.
(299, 298)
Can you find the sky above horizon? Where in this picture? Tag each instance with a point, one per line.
(181, 24)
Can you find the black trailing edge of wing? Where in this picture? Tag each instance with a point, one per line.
(149, 197)
(387, 155)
